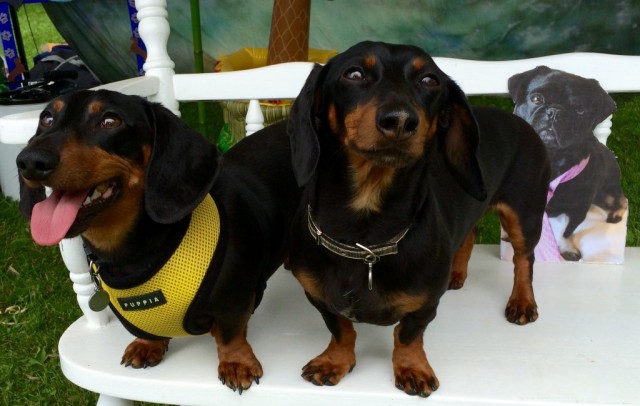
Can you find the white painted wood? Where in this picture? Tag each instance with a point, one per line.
(254, 118)
(105, 400)
(282, 81)
(616, 73)
(18, 128)
(603, 130)
(144, 86)
(154, 30)
(582, 350)
(76, 262)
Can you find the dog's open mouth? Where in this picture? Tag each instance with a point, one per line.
(67, 213)
(100, 194)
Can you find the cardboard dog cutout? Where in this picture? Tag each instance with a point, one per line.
(586, 213)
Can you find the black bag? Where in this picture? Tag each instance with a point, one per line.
(54, 73)
(62, 64)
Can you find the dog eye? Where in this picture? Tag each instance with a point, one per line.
(46, 119)
(354, 74)
(429, 81)
(110, 121)
(536, 98)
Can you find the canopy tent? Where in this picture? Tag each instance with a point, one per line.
(473, 29)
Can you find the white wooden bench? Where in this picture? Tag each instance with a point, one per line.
(584, 349)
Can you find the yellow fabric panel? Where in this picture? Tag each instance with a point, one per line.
(178, 280)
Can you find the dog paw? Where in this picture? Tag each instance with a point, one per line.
(144, 353)
(322, 371)
(568, 248)
(456, 280)
(416, 381)
(572, 256)
(521, 311)
(412, 371)
(617, 212)
(240, 375)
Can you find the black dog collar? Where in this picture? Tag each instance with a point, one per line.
(370, 255)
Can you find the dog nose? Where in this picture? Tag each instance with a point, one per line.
(37, 164)
(397, 124)
(552, 113)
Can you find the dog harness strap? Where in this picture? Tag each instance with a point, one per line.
(369, 254)
(159, 306)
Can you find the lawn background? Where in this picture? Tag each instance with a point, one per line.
(36, 297)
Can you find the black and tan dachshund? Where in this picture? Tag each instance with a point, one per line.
(133, 180)
(397, 168)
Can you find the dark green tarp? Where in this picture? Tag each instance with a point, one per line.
(475, 29)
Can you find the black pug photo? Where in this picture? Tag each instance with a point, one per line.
(586, 207)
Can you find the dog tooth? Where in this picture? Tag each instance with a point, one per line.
(107, 193)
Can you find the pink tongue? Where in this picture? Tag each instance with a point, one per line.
(52, 218)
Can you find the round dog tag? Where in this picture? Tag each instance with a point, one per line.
(99, 301)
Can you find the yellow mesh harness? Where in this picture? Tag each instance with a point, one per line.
(159, 305)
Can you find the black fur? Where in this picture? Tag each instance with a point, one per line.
(253, 186)
(476, 159)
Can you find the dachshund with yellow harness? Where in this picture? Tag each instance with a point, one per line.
(180, 244)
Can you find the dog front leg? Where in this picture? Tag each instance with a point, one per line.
(238, 366)
(412, 371)
(339, 358)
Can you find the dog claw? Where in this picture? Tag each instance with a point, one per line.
(520, 316)
(412, 388)
(327, 380)
(415, 379)
(238, 377)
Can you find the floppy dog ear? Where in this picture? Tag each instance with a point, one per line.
(518, 83)
(29, 197)
(600, 101)
(305, 147)
(182, 168)
(461, 138)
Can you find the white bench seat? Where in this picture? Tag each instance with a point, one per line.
(584, 348)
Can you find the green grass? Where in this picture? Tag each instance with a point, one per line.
(37, 301)
(36, 304)
(36, 30)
